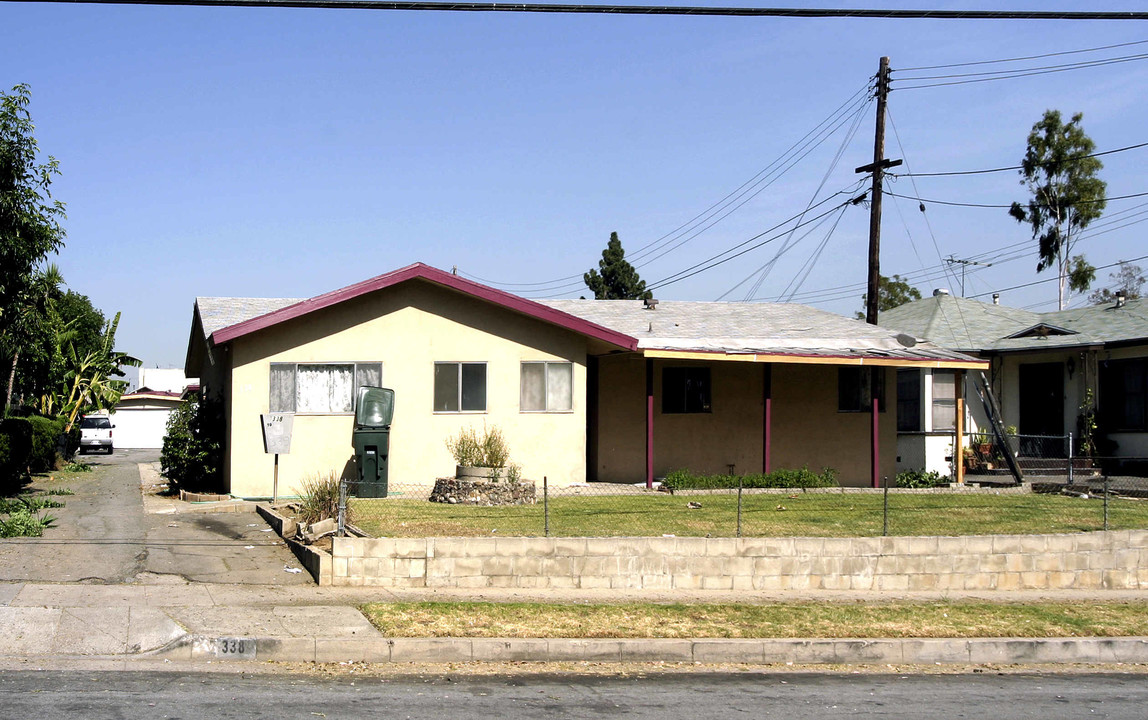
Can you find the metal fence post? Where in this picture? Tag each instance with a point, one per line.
(342, 521)
(739, 484)
(1070, 459)
(546, 505)
(1106, 502)
(885, 510)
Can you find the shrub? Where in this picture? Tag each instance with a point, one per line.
(319, 498)
(799, 478)
(24, 523)
(487, 450)
(15, 452)
(192, 454)
(45, 433)
(918, 479)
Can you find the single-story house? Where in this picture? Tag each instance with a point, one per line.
(140, 417)
(583, 390)
(1044, 370)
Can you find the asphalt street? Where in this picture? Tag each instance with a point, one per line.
(145, 695)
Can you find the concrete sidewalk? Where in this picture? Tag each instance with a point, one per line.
(197, 622)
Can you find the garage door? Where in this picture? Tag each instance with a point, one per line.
(139, 428)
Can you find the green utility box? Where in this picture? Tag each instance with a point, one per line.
(374, 408)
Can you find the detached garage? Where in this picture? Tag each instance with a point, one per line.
(140, 418)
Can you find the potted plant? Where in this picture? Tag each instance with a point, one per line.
(479, 456)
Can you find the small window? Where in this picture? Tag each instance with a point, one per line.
(95, 423)
(909, 400)
(1124, 395)
(944, 401)
(459, 387)
(854, 392)
(686, 390)
(320, 387)
(547, 387)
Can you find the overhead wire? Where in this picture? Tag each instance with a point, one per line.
(1018, 74)
(807, 143)
(1026, 57)
(718, 259)
(1017, 167)
(767, 268)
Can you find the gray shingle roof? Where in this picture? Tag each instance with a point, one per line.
(768, 328)
(217, 313)
(765, 328)
(971, 325)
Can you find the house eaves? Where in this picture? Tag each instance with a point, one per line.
(293, 310)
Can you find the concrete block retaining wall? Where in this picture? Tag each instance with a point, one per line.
(1097, 560)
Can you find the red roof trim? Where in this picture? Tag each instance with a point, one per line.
(421, 271)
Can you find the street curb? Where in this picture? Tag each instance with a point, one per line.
(798, 651)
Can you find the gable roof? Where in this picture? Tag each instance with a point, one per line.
(225, 319)
(975, 326)
(743, 331)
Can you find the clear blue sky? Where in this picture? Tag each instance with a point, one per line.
(217, 151)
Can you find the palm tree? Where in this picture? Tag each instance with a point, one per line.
(32, 309)
(90, 379)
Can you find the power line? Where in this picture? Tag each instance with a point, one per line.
(986, 205)
(714, 261)
(1057, 278)
(1026, 57)
(1020, 74)
(1017, 167)
(637, 9)
(1030, 70)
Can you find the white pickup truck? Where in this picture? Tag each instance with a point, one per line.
(96, 433)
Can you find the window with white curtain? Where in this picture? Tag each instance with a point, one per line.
(546, 387)
(944, 400)
(320, 387)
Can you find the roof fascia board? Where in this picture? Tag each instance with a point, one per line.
(419, 271)
(839, 360)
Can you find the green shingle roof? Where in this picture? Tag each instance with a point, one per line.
(971, 325)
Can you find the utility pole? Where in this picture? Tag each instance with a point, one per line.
(964, 264)
(878, 167)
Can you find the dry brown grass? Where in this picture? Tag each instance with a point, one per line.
(646, 620)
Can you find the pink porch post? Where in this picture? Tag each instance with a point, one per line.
(876, 443)
(767, 420)
(649, 423)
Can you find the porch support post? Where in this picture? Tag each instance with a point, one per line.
(649, 423)
(875, 434)
(767, 419)
(959, 442)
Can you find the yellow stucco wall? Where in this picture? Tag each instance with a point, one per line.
(408, 328)
(807, 429)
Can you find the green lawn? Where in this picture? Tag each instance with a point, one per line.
(773, 620)
(776, 515)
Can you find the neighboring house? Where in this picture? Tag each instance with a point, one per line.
(140, 417)
(1043, 367)
(164, 379)
(582, 389)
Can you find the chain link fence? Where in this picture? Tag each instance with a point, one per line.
(621, 510)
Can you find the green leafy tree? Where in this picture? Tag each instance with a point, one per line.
(1129, 278)
(29, 219)
(28, 340)
(192, 455)
(91, 378)
(891, 292)
(615, 278)
(1066, 195)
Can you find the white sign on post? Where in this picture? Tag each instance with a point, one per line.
(277, 432)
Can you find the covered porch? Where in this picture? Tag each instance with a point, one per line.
(715, 412)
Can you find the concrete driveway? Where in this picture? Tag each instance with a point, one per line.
(104, 535)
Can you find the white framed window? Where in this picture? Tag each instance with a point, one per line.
(546, 387)
(321, 388)
(944, 408)
(460, 387)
